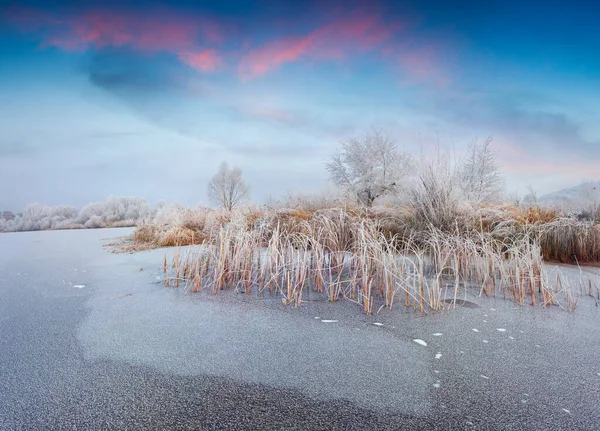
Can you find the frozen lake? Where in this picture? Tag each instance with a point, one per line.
(92, 340)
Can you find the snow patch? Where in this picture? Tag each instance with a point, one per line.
(329, 321)
(438, 355)
(500, 329)
(419, 341)
(437, 334)
(436, 385)
(566, 411)
(484, 377)
(378, 324)
(79, 286)
(485, 341)
(475, 330)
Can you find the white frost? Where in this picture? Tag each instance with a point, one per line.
(419, 341)
(436, 385)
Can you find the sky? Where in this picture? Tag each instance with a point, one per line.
(147, 98)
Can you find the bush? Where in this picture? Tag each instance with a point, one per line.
(115, 212)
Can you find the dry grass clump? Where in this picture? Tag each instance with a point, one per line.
(531, 215)
(289, 220)
(180, 235)
(146, 233)
(346, 257)
(561, 239)
(171, 226)
(570, 241)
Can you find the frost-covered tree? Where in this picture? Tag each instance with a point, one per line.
(531, 198)
(126, 210)
(228, 188)
(480, 174)
(41, 217)
(369, 166)
(436, 197)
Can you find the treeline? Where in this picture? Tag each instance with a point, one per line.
(114, 212)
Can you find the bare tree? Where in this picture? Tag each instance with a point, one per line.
(227, 188)
(369, 166)
(481, 178)
(436, 196)
(531, 198)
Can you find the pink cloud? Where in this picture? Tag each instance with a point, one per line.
(192, 39)
(333, 41)
(204, 61)
(166, 31)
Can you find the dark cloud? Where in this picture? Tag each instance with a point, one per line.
(124, 72)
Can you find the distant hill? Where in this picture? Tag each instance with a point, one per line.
(582, 196)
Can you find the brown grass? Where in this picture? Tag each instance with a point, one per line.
(560, 239)
(348, 257)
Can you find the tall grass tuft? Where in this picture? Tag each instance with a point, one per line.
(348, 257)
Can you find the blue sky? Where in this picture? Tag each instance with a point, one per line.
(147, 98)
